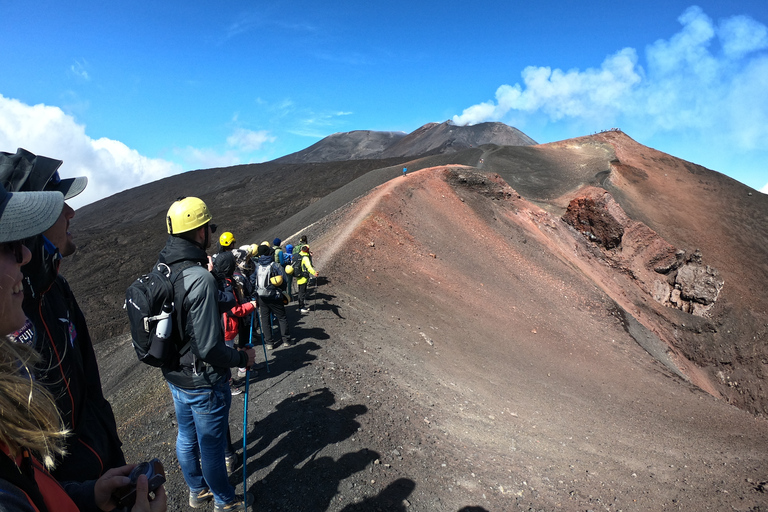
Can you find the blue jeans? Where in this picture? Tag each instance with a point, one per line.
(203, 418)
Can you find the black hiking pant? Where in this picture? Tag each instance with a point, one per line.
(277, 308)
(303, 294)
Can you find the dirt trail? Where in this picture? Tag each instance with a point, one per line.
(366, 205)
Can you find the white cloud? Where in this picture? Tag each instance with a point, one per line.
(249, 140)
(110, 165)
(706, 85)
(79, 69)
(764, 190)
(741, 35)
(593, 93)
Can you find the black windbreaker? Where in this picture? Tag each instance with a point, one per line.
(205, 358)
(68, 368)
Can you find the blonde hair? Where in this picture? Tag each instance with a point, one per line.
(29, 418)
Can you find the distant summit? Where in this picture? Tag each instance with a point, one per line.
(430, 139)
(434, 138)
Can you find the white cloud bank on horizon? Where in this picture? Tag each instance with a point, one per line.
(713, 101)
(110, 165)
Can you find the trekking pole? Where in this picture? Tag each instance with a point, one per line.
(245, 419)
(263, 345)
(314, 302)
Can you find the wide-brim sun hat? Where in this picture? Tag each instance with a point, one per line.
(26, 214)
(26, 172)
(70, 187)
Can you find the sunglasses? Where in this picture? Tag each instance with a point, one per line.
(16, 248)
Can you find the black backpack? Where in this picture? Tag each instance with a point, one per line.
(298, 267)
(150, 308)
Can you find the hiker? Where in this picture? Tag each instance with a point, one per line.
(297, 248)
(58, 331)
(234, 285)
(200, 382)
(268, 282)
(278, 252)
(289, 274)
(30, 426)
(302, 269)
(226, 244)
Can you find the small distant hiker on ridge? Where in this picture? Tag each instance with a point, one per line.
(302, 269)
(405, 171)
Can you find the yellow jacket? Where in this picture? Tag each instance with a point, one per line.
(306, 264)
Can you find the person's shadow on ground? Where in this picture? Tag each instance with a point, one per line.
(291, 439)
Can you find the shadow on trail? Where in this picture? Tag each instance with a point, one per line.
(297, 442)
(392, 498)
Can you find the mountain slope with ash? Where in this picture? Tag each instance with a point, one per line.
(471, 350)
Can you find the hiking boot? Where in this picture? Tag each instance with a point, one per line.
(232, 462)
(241, 372)
(239, 504)
(305, 310)
(270, 346)
(236, 391)
(200, 499)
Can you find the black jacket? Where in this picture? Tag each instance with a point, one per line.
(205, 358)
(68, 368)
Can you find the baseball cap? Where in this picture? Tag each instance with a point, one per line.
(26, 214)
(26, 172)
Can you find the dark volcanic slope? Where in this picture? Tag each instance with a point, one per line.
(355, 145)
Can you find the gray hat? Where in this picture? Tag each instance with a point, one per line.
(26, 214)
(27, 172)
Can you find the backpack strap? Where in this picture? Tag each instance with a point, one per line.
(176, 270)
(22, 477)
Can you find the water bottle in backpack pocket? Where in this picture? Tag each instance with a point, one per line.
(150, 308)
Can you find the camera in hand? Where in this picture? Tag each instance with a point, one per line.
(126, 495)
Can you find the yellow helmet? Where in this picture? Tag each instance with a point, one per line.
(254, 250)
(265, 243)
(186, 214)
(276, 280)
(226, 239)
(289, 269)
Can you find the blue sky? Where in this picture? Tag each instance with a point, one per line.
(130, 92)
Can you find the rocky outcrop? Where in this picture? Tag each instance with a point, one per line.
(695, 288)
(660, 269)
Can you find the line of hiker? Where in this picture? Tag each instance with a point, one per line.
(194, 316)
(221, 301)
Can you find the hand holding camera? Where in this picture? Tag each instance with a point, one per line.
(138, 488)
